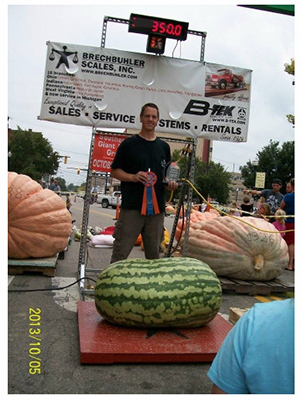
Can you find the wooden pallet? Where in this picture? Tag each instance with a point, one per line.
(235, 313)
(43, 266)
(253, 288)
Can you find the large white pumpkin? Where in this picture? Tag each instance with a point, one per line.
(245, 248)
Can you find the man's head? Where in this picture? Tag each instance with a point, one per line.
(276, 185)
(151, 105)
(149, 117)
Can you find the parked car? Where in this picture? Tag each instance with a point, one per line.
(109, 200)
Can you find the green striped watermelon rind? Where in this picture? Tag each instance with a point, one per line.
(169, 292)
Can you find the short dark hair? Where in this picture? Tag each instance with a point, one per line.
(153, 105)
(277, 181)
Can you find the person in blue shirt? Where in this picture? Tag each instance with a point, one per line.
(288, 205)
(257, 355)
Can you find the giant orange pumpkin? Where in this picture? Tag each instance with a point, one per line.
(195, 216)
(39, 225)
(246, 248)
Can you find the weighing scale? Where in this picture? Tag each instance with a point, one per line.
(104, 343)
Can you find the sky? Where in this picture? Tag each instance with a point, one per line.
(236, 36)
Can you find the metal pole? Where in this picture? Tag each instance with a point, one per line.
(176, 219)
(190, 199)
(85, 215)
(104, 28)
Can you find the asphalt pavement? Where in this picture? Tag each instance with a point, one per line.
(43, 335)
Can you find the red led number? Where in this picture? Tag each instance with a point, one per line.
(170, 29)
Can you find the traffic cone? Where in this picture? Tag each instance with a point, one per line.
(117, 209)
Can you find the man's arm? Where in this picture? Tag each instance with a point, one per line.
(121, 175)
(252, 192)
(255, 192)
(282, 204)
(217, 390)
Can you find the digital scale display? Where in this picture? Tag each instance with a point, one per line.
(160, 26)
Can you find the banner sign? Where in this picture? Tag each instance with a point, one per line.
(106, 88)
(105, 148)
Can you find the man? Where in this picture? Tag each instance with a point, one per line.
(56, 186)
(257, 355)
(272, 197)
(52, 185)
(140, 164)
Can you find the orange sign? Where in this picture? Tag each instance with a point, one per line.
(105, 148)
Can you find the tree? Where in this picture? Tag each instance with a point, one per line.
(276, 162)
(209, 179)
(291, 119)
(72, 187)
(31, 154)
(290, 69)
(215, 181)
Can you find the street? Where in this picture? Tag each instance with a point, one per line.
(43, 340)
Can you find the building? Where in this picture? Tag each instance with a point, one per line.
(237, 188)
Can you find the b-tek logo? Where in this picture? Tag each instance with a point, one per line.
(202, 108)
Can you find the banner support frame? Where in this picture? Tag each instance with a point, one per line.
(81, 260)
(85, 217)
(107, 19)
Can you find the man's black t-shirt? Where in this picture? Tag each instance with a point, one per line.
(137, 154)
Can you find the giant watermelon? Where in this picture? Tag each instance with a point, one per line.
(167, 292)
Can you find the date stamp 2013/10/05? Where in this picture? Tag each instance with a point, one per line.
(35, 330)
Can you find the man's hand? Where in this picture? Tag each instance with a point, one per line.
(141, 177)
(172, 185)
(121, 175)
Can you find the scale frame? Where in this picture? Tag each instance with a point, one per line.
(186, 190)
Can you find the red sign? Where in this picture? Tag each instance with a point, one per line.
(105, 148)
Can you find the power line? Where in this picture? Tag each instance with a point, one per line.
(72, 152)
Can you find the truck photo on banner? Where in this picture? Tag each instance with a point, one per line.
(105, 88)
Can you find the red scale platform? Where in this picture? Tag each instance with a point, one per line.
(105, 343)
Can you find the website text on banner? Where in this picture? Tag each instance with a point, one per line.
(105, 88)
